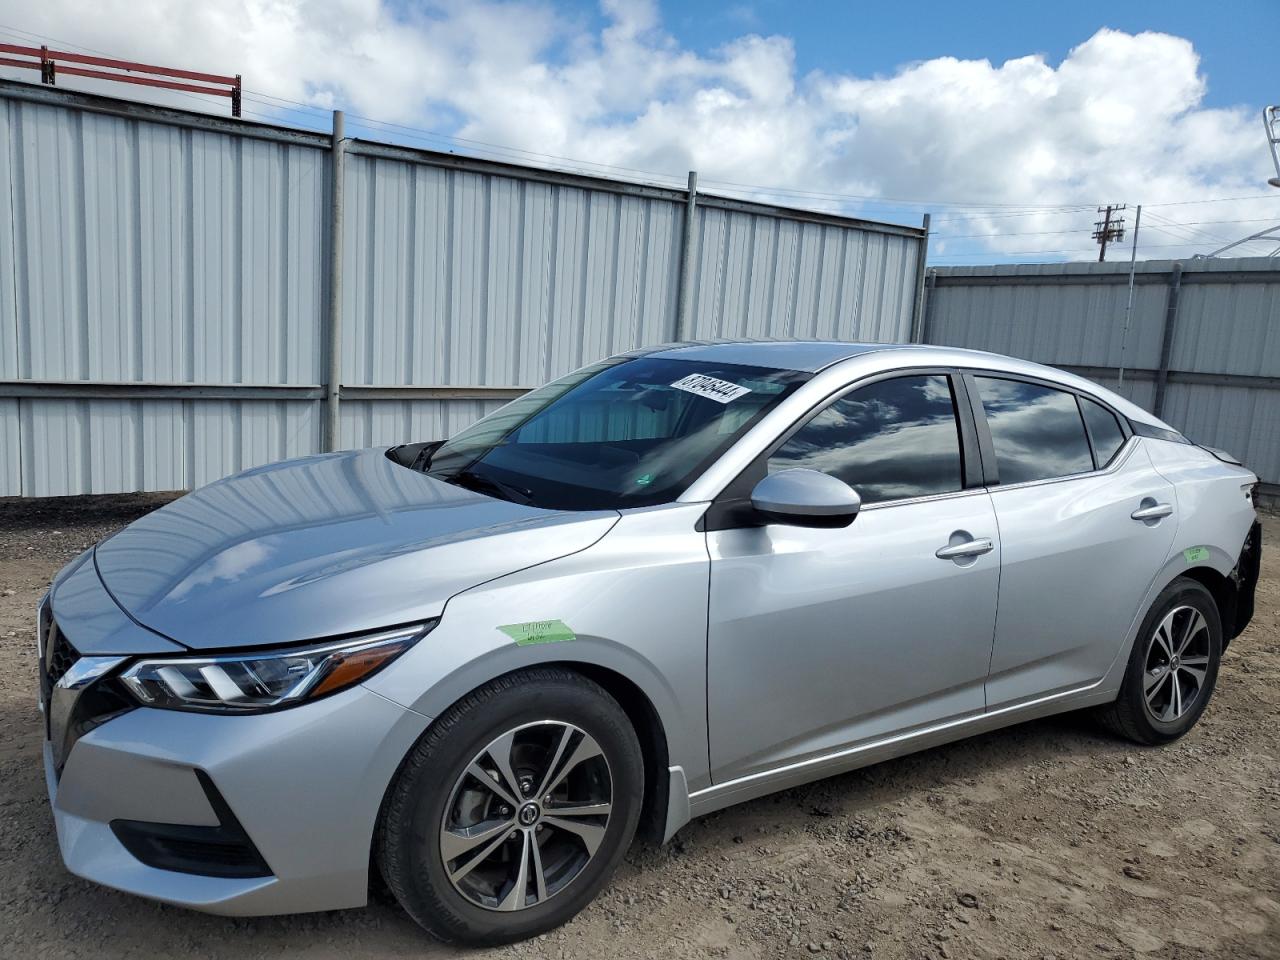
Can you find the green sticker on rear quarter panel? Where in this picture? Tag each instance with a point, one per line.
(1196, 554)
(538, 631)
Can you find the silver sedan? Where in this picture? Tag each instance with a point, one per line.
(671, 581)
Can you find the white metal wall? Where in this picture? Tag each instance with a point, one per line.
(1224, 348)
(761, 276)
(462, 279)
(143, 246)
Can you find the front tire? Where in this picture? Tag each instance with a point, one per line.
(512, 812)
(1173, 667)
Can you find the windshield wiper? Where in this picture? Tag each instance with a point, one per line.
(481, 483)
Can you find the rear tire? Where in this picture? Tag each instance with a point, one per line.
(511, 813)
(1173, 667)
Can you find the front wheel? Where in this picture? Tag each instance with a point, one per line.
(1173, 667)
(512, 812)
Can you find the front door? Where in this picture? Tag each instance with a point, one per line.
(819, 639)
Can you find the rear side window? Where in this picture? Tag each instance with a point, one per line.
(1104, 430)
(1037, 431)
(889, 440)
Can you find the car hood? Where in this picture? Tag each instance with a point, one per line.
(323, 546)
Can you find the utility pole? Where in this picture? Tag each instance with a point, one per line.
(1109, 228)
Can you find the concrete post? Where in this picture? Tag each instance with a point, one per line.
(684, 293)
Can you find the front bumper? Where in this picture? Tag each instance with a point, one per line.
(305, 784)
(302, 786)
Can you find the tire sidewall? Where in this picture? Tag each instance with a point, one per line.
(1182, 592)
(426, 892)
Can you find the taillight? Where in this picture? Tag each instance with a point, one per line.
(1251, 492)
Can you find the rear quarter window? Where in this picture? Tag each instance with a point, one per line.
(1104, 431)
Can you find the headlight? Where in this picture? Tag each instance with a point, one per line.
(265, 680)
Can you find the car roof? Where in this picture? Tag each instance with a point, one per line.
(808, 356)
(814, 356)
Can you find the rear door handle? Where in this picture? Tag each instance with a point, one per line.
(970, 548)
(1154, 512)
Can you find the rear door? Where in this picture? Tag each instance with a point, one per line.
(823, 638)
(1085, 522)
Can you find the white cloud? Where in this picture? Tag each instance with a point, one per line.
(1120, 118)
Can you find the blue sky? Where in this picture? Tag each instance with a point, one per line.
(1236, 39)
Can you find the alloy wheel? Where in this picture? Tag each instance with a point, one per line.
(1177, 664)
(526, 816)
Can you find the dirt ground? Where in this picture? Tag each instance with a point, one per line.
(1050, 839)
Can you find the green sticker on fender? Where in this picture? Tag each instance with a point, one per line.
(1196, 554)
(538, 631)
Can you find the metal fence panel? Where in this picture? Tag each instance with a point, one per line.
(8, 288)
(142, 247)
(1076, 324)
(758, 276)
(11, 446)
(1243, 421)
(1229, 327)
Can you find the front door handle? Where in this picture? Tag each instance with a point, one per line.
(1153, 512)
(970, 548)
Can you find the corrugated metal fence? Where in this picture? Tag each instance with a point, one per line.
(1202, 349)
(165, 279)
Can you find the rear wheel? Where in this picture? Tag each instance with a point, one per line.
(1173, 667)
(511, 814)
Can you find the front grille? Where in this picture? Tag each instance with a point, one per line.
(61, 655)
(71, 713)
(57, 656)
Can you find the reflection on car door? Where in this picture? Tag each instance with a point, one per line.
(1075, 563)
(821, 638)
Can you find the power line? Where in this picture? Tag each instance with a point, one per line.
(1180, 232)
(1051, 233)
(996, 205)
(1028, 253)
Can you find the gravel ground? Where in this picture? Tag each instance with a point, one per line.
(1049, 839)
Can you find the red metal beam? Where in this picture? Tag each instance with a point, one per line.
(140, 67)
(52, 62)
(144, 81)
(69, 57)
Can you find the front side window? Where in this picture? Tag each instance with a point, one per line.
(889, 440)
(1104, 430)
(625, 432)
(1037, 431)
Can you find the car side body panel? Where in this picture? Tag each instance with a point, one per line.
(1075, 566)
(1214, 510)
(822, 638)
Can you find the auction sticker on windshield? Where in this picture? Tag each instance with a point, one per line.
(721, 391)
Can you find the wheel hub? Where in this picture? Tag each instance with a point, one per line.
(1177, 664)
(503, 850)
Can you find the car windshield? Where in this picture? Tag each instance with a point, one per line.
(626, 432)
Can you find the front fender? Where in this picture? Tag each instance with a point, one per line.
(634, 603)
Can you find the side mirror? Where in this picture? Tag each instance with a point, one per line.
(806, 498)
